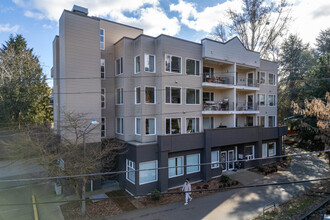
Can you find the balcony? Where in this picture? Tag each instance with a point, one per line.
(220, 107)
(249, 107)
(246, 82)
(218, 80)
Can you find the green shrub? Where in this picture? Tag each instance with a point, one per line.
(224, 179)
(155, 194)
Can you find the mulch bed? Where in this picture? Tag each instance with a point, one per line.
(278, 166)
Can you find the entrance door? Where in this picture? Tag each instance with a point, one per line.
(250, 79)
(223, 160)
(249, 99)
(231, 159)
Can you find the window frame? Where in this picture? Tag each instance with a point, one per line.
(120, 66)
(145, 96)
(156, 172)
(135, 72)
(274, 121)
(199, 97)
(171, 55)
(210, 96)
(103, 77)
(103, 125)
(274, 79)
(200, 67)
(192, 165)
(102, 47)
(135, 95)
(104, 98)
(264, 152)
(149, 126)
(121, 125)
(144, 63)
(121, 96)
(170, 118)
(258, 120)
(171, 95)
(274, 105)
(260, 73)
(211, 118)
(274, 150)
(128, 163)
(253, 152)
(260, 94)
(135, 126)
(199, 125)
(215, 164)
(176, 166)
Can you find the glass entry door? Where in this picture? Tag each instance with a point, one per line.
(250, 80)
(223, 160)
(249, 102)
(231, 159)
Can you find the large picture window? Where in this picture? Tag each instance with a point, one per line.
(150, 126)
(193, 159)
(102, 69)
(172, 64)
(215, 159)
(173, 95)
(192, 125)
(119, 96)
(130, 171)
(148, 176)
(192, 67)
(272, 149)
(150, 95)
(173, 126)
(176, 166)
(149, 63)
(192, 96)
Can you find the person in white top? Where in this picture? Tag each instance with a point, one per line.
(187, 189)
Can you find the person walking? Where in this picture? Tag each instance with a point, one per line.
(187, 189)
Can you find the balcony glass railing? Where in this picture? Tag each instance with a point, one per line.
(247, 82)
(218, 78)
(218, 106)
(247, 106)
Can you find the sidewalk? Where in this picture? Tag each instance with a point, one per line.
(241, 203)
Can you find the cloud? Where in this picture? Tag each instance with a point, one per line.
(145, 14)
(8, 28)
(46, 26)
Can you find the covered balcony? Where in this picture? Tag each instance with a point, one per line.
(247, 106)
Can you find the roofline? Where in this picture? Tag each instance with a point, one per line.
(229, 41)
(269, 61)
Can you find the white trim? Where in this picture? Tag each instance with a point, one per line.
(135, 95)
(198, 164)
(176, 165)
(233, 161)
(122, 125)
(144, 68)
(171, 63)
(171, 95)
(195, 96)
(259, 76)
(135, 64)
(200, 67)
(120, 96)
(156, 170)
(145, 101)
(258, 97)
(104, 97)
(127, 173)
(274, 79)
(155, 124)
(135, 127)
(171, 125)
(199, 125)
(258, 120)
(247, 101)
(274, 100)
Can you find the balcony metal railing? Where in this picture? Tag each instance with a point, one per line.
(247, 82)
(218, 106)
(247, 106)
(218, 78)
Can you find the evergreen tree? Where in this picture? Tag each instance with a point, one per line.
(24, 93)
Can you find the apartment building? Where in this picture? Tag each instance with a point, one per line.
(174, 102)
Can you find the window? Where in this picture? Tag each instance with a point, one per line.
(138, 126)
(119, 66)
(215, 159)
(172, 95)
(193, 160)
(208, 96)
(149, 63)
(261, 121)
(173, 125)
(271, 79)
(148, 176)
(102, 69)
(103, 98)
(176, 166)
(192, 125)
(262, 99)
(264, 150)
(172, 64)
(102, 33)
(208, 122)
(192, 67)
(119, 96)
(192, 96)
(138, 95)
(120, 126)
(150, 95)
(103, 127)
(249, 152)
(249, 120)
(272, 149)
(137, 68)
(150, 126)
(130, 168)
(261, 77)
(271, 121)
(271, 100)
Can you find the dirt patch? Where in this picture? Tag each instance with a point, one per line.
(122, 200)
(273, 168)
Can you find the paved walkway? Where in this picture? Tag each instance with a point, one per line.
(241, 203)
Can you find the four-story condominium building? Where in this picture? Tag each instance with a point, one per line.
(175, 103)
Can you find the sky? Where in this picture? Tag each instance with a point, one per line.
(37, 20)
